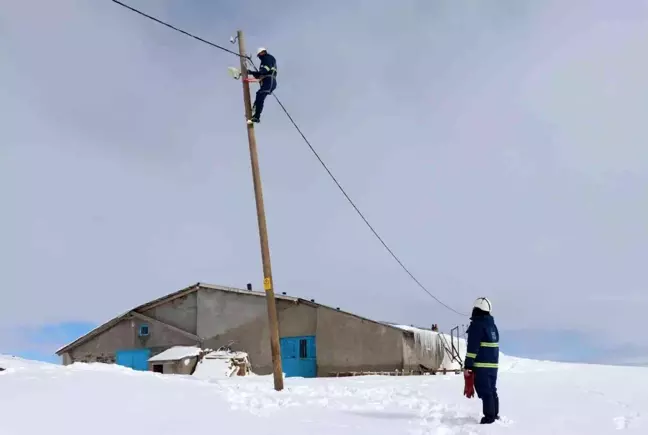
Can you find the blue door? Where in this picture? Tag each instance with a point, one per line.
(137, 359)
(298, 356)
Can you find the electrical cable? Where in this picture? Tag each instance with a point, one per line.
(380, 239)
(178, 30)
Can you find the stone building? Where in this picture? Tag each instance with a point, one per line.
(316, 340)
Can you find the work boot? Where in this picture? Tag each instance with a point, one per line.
(487, 420)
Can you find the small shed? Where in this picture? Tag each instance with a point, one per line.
(179, 360)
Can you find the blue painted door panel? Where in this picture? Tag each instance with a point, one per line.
(137, 359)
(298, 356)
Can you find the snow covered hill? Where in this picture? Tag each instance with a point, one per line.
(536, 398)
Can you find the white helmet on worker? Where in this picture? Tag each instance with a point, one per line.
(483, 304)
(261, 50)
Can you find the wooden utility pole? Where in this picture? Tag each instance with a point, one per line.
(263, 230)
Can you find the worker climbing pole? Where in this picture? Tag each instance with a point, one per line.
(266, 77)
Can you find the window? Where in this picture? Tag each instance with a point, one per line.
(144, 330)
(303, 349)
(158, 368)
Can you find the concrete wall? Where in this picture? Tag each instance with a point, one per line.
(296, 319)
(66, 359)
(344, 342)
(410, 361)
(124, 335)
(176, 367)
(180, 312)
(219, 312)
(244, 319)
(348, 343)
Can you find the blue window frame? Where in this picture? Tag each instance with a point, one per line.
(143, 330)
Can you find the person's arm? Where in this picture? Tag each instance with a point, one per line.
(472, 347)
(268, 64)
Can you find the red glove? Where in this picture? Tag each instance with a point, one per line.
(469, 383)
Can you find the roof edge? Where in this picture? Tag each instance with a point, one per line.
(93, 333)
(112, 322)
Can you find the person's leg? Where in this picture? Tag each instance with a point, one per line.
(268, 85)
(257, 108)
(484, 391)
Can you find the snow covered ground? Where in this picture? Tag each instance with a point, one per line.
(536, 398)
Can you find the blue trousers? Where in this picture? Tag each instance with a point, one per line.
(486, 389)
(268, 85)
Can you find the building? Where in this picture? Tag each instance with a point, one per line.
(179, 360)
(315, 340)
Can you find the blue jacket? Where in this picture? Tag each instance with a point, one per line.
(483, 343)
(268, 68)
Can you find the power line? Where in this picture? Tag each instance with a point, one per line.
(176, 29)
(337, 183)
(360, 213)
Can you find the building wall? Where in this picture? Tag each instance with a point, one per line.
(348, 343)
(219, 312)
(176, 367)
(252, 334)
(124, 335)
(179, 312)
(344, 342)
(66, 359)
(410, 361)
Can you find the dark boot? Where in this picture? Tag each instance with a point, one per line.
(489, 403)
(487, 420)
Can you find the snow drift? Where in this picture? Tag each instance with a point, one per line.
(536, 398)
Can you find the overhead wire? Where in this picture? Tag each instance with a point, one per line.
(177, 29)
(324, 165)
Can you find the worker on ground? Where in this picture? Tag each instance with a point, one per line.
(482, 358)
(267, 76)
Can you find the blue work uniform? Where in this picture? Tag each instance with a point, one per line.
(482, 357)
(267, 76)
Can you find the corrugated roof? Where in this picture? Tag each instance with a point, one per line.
(188, 290)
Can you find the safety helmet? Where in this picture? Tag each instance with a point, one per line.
(483, 304)
(261, 50)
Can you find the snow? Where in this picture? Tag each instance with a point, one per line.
(536, 397)
(176, 353)
(219, 365)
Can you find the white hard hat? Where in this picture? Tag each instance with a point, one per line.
(483, 304)
(261, 50)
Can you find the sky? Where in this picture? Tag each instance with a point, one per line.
(498, 147)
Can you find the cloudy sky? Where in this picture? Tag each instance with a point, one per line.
(499, 147)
